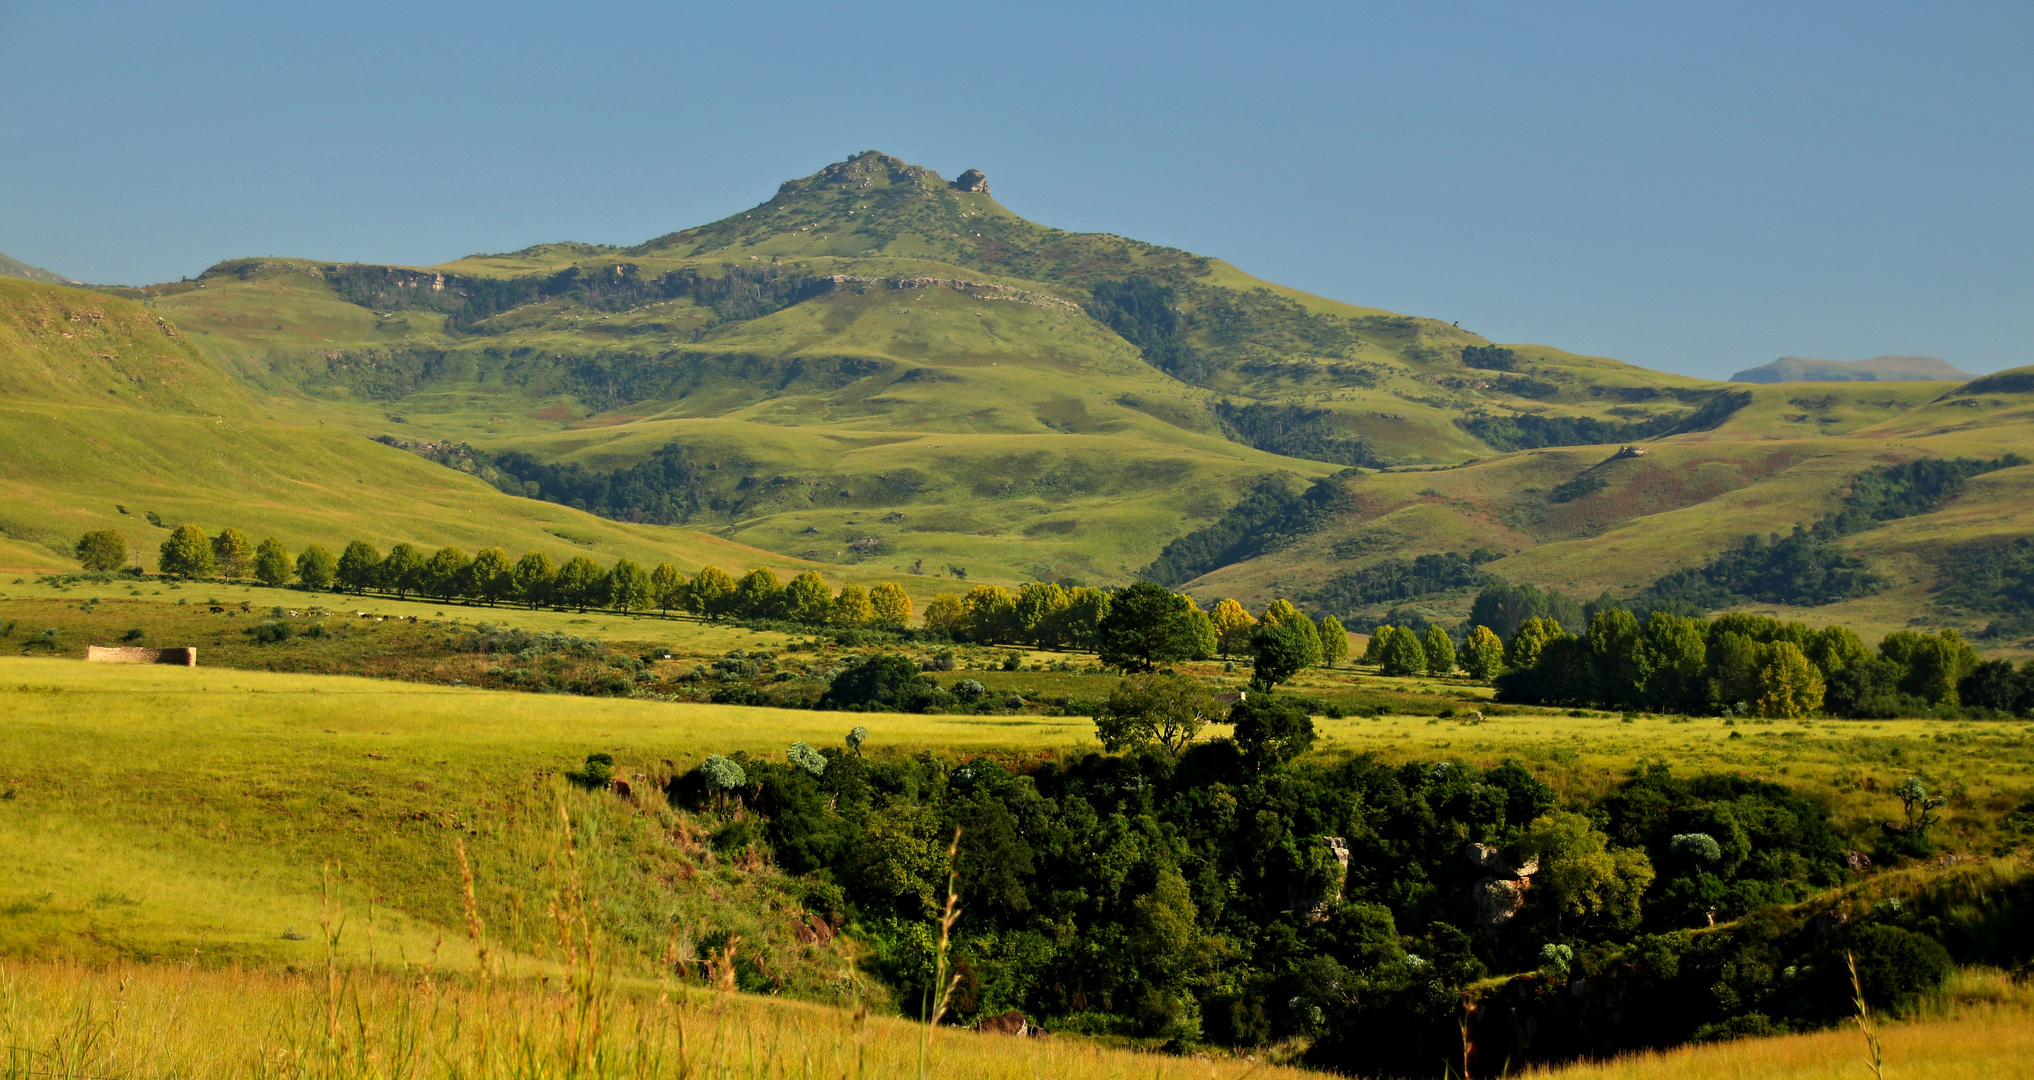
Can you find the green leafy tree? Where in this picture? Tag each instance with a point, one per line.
(1270, 728)
(1733, 670)
(1205, 641)
(492, 575)
(445, 574)
(1439, 650)
(759, 595)
(803, 756)
(1836, 648)
(628, 587)
(1279, 651)
(1038, 609)
(1403, 654)
(403, 571)
(580, 583)
(1373, 650)
(533, 578)
(317, 568)
(889, 606)
(852, 608)
(1582, 875)
(989, 613)
(272, 563)
(947, 615)
(712, 593)
(1523, 650)
(1935, 663)
(667, 588)
(1789, 686)
(1081, 622)
(359, 567)
(103, 550)
(1166, 709)
(1614, 656)
(187, 553)
(1147, 625)
(807, 599)
(1483, 653)
(230, 551)
(1334, 641)
(722, 777)
(1233, 627)
(1673, 654)
(1283, 611)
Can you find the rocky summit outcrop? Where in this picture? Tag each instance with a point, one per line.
(1501, 894)
(972, 180)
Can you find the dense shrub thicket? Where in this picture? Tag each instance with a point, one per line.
(1269, 517)
(1240, 892)
(1146, 313)
(1295, 431)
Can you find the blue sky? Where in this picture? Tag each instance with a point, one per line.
(1698, 188)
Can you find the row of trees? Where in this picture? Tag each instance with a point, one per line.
(490, 576)
(1399, 650)
(1741, 663)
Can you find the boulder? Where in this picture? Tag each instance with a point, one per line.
(1502, 894)
(972, 180)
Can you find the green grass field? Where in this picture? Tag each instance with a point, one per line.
(203, 824)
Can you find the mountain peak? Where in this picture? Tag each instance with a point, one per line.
(1876, 369)
(876, 206)
(863, 172)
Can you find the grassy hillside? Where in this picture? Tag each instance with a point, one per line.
(108, 414)
(1587, 519)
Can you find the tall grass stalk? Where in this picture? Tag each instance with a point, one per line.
(1875, 1055)
(940, 993)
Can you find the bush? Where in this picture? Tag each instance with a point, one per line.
(884, 681)
(736, 835)
(597, 772)
(271, 632)
(1897, 967)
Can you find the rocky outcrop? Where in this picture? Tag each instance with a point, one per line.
(972, 180)
(1501, 894)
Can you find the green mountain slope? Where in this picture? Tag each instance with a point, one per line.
(876, 366)
(108, 415)
(1586, 520)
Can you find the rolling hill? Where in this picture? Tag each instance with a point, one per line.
(883, 371)
(110, 418)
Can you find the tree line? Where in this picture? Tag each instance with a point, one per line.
(1740, 664)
